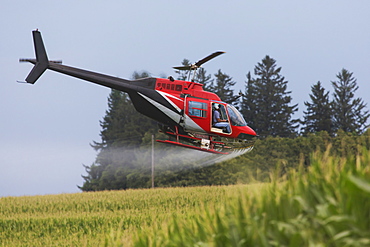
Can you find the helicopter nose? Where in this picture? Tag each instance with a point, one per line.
(252, 131)
(247, 133)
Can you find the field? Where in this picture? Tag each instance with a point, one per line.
(88, 218)
(327, 204)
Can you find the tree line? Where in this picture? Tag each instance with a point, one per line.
(123, 153)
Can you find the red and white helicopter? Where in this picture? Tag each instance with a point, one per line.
(183, 109)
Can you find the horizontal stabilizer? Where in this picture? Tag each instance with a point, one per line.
(36, 72)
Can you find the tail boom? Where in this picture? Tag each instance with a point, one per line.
(42, 64)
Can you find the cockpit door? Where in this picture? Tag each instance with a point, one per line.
(220, 119)
(198, 111)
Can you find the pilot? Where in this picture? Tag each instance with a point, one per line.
(217, 121)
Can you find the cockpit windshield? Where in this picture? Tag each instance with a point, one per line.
(236, 117)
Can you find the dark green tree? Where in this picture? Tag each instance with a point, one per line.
(94, 173)
(201, 76)
(266, 104)
(248, 102)
(183, 74)
(123, 129)
(204, 78)
(138, 75)
(318, 116)
(349, 112)
(222, 86)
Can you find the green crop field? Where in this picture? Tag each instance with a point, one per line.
(87, 219)
(327, 204)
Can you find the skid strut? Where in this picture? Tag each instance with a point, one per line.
(205, 145)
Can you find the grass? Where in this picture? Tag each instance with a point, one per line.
(327, 204)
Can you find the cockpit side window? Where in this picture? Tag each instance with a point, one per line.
(197, 109)
(223, 112)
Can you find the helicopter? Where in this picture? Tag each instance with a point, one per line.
(183, 110)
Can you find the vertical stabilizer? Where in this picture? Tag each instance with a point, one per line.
(42, 62)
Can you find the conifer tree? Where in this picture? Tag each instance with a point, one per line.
(120, 124)
(349, 112)
(183, 74)
(200, 77)
(203, 78)
(138, 75)
(318, 116)
(123, 129)
(248, 102)
(222, 86)
(266, 105)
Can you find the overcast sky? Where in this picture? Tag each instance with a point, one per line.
(46, 128)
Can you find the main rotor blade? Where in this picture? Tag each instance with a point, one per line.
(206, 59)
(187, 67)
(200, 62)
